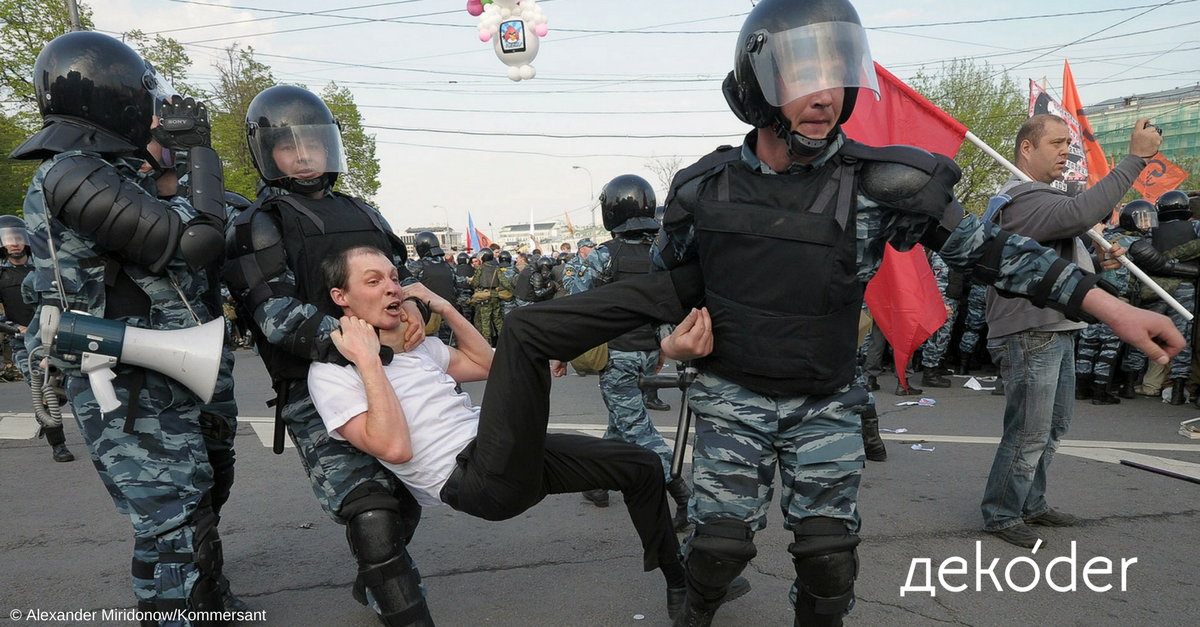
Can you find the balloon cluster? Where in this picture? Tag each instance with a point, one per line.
(514, 28)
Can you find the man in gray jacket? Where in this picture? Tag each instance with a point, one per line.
(1035, 347)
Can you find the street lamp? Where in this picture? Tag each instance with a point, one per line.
(591, 191)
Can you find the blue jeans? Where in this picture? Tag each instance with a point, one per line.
(1039, 388)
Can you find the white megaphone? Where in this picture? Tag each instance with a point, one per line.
(190, 356)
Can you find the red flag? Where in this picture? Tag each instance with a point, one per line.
(902, 116)
(905, 301)
(1159, 177)
(1097, 164)
(483, 240)
(569, 227)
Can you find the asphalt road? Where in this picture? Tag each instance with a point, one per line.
(64, 548)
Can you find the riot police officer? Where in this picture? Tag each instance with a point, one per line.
(776, 383)
(104, 246)
(275, 248)
(433, 272)
(504, 259)
(627, 204)
(1172, 254)
(463, 272)
(15, 265)
(492, 288)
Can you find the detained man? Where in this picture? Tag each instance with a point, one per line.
(406, 413)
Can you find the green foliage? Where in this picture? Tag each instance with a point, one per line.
(240, 79)
(168, 57)
(26, 26)
(362, 180)
(14, 175)
(992, 107)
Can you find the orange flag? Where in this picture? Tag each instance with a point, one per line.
(1097, 164)
(1159, 177)
(569, 227)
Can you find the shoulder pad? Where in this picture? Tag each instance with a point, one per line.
(907, 155)
(254, 230)
(890, 181)
(695, 173)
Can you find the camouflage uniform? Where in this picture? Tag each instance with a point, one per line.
(976, 319)
(1099, 347)
(1185, 293)
(628, 420)
(151, 456)
(934, 348)
(489, 317)
(462, 287)
(742, 435)
(507, 306)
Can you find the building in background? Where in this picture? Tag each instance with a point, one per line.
(447, 237)
(1175, 111)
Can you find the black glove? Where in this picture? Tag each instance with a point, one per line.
(183, 124)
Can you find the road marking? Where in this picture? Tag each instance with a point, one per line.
(24, 427)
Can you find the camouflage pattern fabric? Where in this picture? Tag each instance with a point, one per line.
(935, 347)
(628, 420)
(489, 315)
(1096, 352)
(976, 319)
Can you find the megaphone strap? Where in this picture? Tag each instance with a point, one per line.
(137, 379)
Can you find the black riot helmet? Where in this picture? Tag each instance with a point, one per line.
(1138, 216)
(486, 255)
(13, 233)
(544, 264)
(627, 204)
(464, 259)
(295, 142)
(789, 49)
(1172, 206)
(505, 257)
(562, 258)
(427, 245)
(92, 78)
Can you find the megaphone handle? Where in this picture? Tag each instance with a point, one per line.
(101, 381)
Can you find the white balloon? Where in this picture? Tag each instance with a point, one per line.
(527, 71)
(514, 74)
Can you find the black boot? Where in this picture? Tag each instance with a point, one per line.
(597, 497)
(695, 613)
(911, 390)
(654, 403)
(964, 366)
(679, 490)
(1177, 392)
(1101, 395)
(872, 384)
(1083, 387)
(876, 452)
(1127, 380)
(934, 378)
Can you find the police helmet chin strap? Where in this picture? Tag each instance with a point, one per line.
(800, 146)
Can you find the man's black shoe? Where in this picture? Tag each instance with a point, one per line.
(1054, 518)
(911, 390)
(654, 403)
(872, 384)
(676, 597)
(61, 453)
(1019, 534)
(598, 497)
(934, 378)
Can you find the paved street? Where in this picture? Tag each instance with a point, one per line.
(64, 548)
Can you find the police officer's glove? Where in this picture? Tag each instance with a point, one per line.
(202, 241)
(183, 124)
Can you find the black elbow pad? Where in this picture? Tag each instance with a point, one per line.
(91, 197)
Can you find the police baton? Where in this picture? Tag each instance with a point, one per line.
(682, 380)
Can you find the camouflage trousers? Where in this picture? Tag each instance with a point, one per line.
(489, 319)
(1096, 352)
(935, 347)
(218, 426)
(628, 420)
(1181, 364)
(976, 318)
(743, 436)
(335, 467)
(507, 307)
(157, 475)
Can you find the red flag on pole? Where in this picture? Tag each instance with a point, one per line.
(483, 240)
(1097, 164)
(902, 116)
(1159, 177)
(904, 300)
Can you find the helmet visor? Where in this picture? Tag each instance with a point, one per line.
(794, 63)
(1144, 219)
(301, 151)
(13, 236)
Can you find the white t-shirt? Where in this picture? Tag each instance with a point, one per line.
(441, 422)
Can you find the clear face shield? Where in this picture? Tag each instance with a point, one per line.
(802, 61)
(302, 151)
(14, 238)
(1144, 219)
(163, 93)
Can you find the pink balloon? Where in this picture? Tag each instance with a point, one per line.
(541, 30)
(485, 36)
(474, 7)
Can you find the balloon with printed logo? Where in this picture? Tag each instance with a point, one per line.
(514, 28)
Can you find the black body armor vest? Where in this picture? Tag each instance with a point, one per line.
(438, 277)
(773, 338)
(628, 260)
(1168, 235)
(15, 309)
(523, 289)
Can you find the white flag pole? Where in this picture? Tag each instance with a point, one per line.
(1124, 259)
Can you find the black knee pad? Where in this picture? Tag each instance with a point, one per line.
(209, 559)
(222, 465)
(717, 553)
(378, 534)
(826, 563)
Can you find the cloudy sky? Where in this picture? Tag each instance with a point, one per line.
(620, 84)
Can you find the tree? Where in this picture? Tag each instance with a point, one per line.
(664, 168)
(362, 179)
(992, 106)
(168, 57)
(26, 26)
(240, 79)
(14, 175)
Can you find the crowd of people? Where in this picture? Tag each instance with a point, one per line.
(126, 219)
